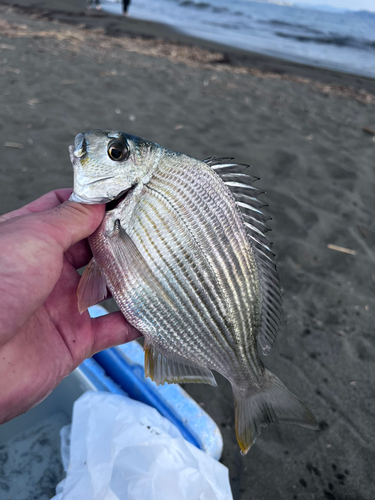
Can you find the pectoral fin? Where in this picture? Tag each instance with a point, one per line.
(125, 249)
(92, 288)
(161, 369)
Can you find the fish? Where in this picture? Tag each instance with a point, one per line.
(183, 250)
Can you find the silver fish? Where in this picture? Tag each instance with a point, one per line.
(182, 249)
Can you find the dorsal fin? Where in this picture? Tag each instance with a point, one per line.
(213, 161)
(245, 195)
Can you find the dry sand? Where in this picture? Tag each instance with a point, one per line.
(64, 72)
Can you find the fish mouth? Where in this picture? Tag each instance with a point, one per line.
(111, 205)
(87, 201)
(110, 202)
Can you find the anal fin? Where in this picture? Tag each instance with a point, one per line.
(92, 288)
(162, 369)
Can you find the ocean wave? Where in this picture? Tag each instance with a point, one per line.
(303, 27)
(224, 25)
(219, 10)
(197, 5)
(331, 39)
(203, 6)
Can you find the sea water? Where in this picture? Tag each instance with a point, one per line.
(342, 40)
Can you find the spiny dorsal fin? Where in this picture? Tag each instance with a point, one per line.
(162, 369)
(245, 195)
(212, 160)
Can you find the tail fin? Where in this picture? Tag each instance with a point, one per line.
(271, 403)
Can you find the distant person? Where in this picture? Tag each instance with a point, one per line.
(125, 5)
(93, 3)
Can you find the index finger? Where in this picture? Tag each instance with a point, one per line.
(47, 201)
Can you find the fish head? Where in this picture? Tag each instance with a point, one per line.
(107, 164)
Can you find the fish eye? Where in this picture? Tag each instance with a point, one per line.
(117, 151)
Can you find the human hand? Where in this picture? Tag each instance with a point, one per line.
(43, 337)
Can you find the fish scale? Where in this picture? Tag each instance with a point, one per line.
(185, 255)
(200, 349)
(199, 224)
(195, 227)
(211, 306)
(243, 325)
(164, 264)
(203, 257)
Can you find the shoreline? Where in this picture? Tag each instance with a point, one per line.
(116, 26)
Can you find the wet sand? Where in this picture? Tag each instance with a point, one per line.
(64, 71)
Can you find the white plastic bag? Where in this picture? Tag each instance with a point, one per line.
(121, 449)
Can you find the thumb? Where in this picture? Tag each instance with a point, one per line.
(71, 222)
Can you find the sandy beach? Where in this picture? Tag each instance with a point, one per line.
(308, 133)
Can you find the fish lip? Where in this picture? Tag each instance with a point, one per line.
(111, 203)
(88, 201)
